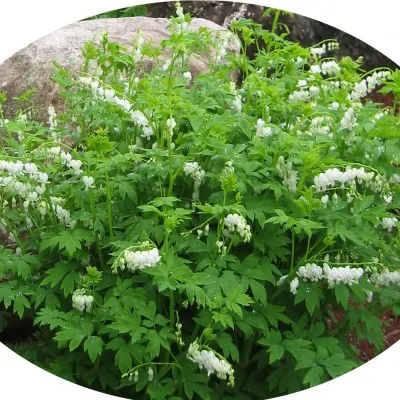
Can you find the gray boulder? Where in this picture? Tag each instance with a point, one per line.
(32, 67)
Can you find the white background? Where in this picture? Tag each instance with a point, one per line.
(376, 23)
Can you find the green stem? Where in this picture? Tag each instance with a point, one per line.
(171, 177)
(109, 210)
(275, 22)
(171, 308)
(273, 28)
(308, 247)
(150, 363)
(219, 231)
(96, 238)
(292, 259)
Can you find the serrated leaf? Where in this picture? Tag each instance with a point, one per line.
(23, 268)
(314, 376)
(69, 283)
(94, 347)
(342, 295)
(123, 358)
(276, 352)
(259, 292)
(55, 274)
(7, 295)
(20, 303)
(312, 301)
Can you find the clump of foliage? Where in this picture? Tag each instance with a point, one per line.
(135, 11)
(181, 237)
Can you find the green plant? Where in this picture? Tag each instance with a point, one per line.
(177, 237)
(135, 11)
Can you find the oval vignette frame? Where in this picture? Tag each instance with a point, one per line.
(377, 377)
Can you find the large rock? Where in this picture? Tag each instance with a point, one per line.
(32, 67)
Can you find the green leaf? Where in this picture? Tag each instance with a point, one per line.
(20, 303)
(229, 349)
(126, 321)
(68, 284)
(312, 300)
(55, 274)
(314, 376)
(126, 189)
(276, 352)
(73, 336)
(164, 201)
(259, 292)
(7, 295)
(123, 358)
(93, 346)
(225, 319)
(23, 268)
(274, 314)
(342, 295)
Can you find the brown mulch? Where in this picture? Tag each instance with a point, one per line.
(366, 350)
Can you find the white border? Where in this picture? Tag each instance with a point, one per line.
(24, 21)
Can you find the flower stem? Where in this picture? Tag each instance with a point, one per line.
(109, 211)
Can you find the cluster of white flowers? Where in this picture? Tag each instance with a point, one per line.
(262, 130)
(386, 278)
(67, 160)
(333, 177)
(197, 173)
(26, 181)
(365, 86)
(109, 95)
(207, 360)
(318, 51)
(332, 275)
(360, 90)
(137, 260)
(287, 173)
(81, 301)
(349, 120)
(299, 96)
(389, 223)
(320, 126)
(346, 275)
(235, 223)
(171, 124)
(63, 215)
(330, 68)
(52, 121)
(379, 115)
(305, 93)
(237, 99)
